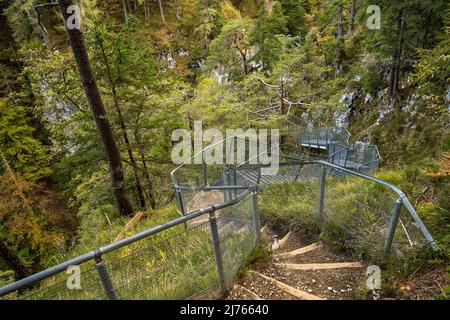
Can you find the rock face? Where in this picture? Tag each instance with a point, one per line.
(225, 219)
(202, 200)
(205, 199)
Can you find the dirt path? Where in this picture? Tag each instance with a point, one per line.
(300, 271)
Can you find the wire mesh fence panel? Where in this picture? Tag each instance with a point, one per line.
(151, 273)
(199, 256)
(357, 214)
(237, 237)
(293, 203)
(65, 286)
(361, 214)
(408, 238)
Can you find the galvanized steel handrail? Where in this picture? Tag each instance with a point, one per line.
(402, 197)
(97, 253)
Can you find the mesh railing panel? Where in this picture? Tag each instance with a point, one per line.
(170, 266)
(180, 262)
(357, 214)
(238, 241)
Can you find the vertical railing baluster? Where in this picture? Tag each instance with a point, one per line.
(235, 182)
(225, 183)
(104, 276)
(320, 215)
(256, 218)
(217, 252)
(205, 175)
(393, 226)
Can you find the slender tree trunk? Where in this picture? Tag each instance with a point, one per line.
(282, 96)
(161, 9)
(243, 53)
(351, 25)
(98, 110)
(13, 261)
(426, 28)
(125, 12)
(340, 35)
(148, 9)
(128, 5)
(140, 192)
(145, 10)
(151, 198)
(396, 58)
(179, 12)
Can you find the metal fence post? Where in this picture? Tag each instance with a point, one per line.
(225, 183)
(104, 277)
(217, 252)
(179, 199)
(205, 175)
(323, 175)
(230, 192)
(256, 218)
(393, 226)
(235, 182)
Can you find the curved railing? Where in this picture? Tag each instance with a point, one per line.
(201, 252)
(359, 157)
(321, 138)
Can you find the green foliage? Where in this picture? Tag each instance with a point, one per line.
(30, 221)
(26, 155)
(255, 53)
(234, 36)
(267, 33)
(295, 12)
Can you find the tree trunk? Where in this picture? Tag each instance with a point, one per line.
(351, 25)
(340, 35)
(140, 192)
(163, 19)
(146, 174)
(426, 30)
(98, 110)
(125, 12)
(128, 5)
(282, 96)
(396, 58)
(145, 10)
(13, 261)
(243, 53)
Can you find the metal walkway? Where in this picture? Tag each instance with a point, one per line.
(182, 260)
(359, 156)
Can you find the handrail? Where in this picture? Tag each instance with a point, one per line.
(402, 197)
(23, 283)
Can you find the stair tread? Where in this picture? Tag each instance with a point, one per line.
(289, 289)
(321, 266)
(300, 251)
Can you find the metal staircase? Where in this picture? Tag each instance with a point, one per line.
(200, 253)
(360, 156)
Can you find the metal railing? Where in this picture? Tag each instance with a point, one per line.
(201, 252)
(145, 274)
(322, 137)
(359, 156)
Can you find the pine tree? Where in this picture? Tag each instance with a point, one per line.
(96, 104)
(269, 26)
